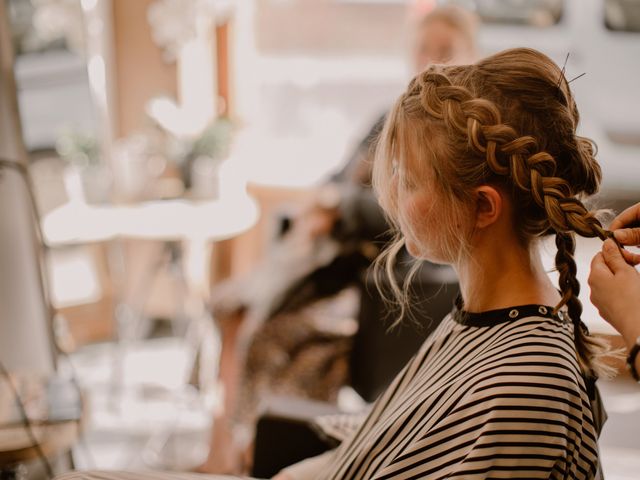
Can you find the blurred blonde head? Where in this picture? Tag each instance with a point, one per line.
(446, 35)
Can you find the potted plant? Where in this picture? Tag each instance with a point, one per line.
(199, 158)
(86, 177)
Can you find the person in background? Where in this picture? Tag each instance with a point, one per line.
(615, 283)
(270, 340)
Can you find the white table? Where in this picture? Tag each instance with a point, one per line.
(77, 223)
(195, 224)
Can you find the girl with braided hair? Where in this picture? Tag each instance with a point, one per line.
(475, 164)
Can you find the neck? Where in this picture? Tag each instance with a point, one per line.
(501, 275)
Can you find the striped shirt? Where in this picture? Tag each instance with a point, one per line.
(492, 395)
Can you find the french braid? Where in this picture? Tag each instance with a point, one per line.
(496, 125)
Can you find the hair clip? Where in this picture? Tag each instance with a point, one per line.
(559, 93)
(563, 71)
(564, 66)
(575, 78)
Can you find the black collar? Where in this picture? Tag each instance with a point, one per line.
(501, 315)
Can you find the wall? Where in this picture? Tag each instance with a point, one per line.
(141, 73)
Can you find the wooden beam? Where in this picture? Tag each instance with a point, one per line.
(141, 72)
(223, 67)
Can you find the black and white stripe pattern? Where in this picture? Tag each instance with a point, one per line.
(141, 475)
(491, 399)
(337, 428)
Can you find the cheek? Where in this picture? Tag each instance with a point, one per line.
(430, 233)
(418, 223)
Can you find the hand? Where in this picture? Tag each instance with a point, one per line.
(615, 291)
(625, 234)
(281, 476)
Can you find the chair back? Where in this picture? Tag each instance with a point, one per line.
(380, 350)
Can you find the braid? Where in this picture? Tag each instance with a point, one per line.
(588, 348)
(570, 289)
(567, 270)
(531, 170)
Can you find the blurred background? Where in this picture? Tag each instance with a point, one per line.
(166, 138)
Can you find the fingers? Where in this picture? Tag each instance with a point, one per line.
(627, 218)
(613, 257)
(631, 258)
(599, 277)
(628, 236)
(599, 269)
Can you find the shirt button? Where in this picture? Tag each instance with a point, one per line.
(542, 310)
(513, 313)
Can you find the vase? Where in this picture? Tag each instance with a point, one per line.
(89, 184)
(205, 178)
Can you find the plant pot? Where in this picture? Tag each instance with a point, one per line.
(90, 184)
(205, 178)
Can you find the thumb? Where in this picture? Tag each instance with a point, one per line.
(628, 236)
(613, 257)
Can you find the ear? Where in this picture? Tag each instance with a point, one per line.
(489, 205)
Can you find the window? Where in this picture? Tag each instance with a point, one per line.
(27, 38)
(535, 13)
(622, 15)
(50, 71)
(321, 74)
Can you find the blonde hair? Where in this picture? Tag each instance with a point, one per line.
(510, 121)
(456, 17)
